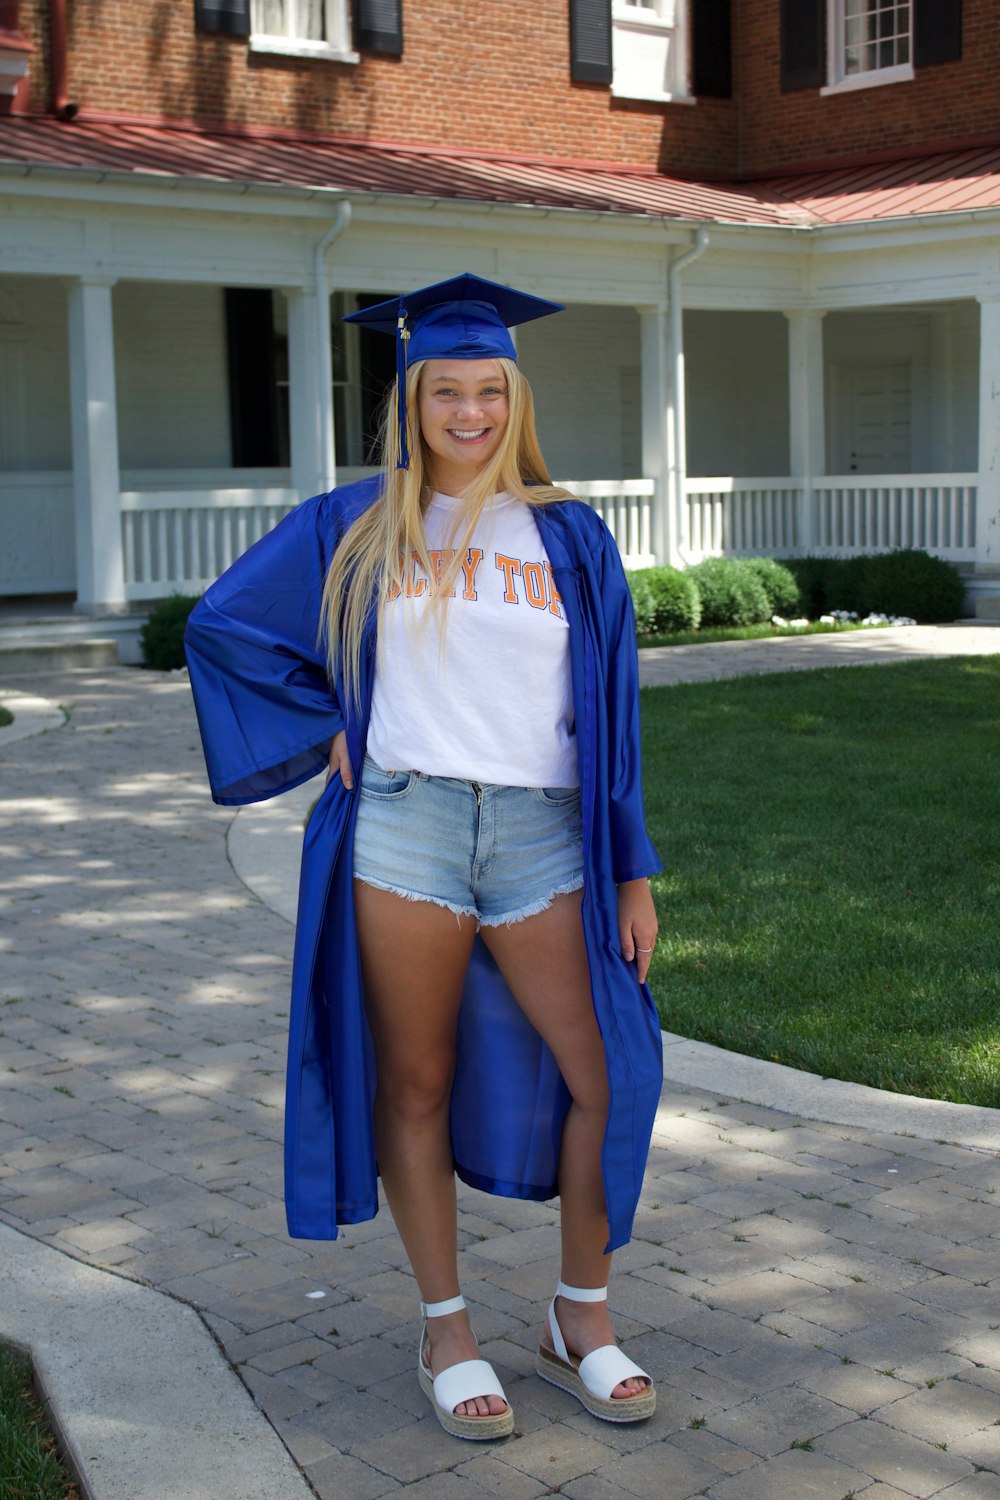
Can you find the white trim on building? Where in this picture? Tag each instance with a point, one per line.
(139, 536)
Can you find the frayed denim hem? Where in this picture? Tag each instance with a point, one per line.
(534, 908)
(507, 919)
(394, 890)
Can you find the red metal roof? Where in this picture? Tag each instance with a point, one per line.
(942, 183)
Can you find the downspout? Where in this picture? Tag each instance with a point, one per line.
(61, 105)
(677, 537)
(341, 219)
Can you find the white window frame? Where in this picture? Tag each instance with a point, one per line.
(662, 27)
(841, 82)
(336, 47)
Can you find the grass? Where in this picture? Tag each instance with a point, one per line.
(6, 717)
(833, 870)
(713, 633)
(30, 1468)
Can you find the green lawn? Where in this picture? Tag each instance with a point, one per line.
(832, 844)
(29, 1464)
(714, 633)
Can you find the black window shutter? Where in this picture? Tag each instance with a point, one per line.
(378, 26)
(229, 16)
(711, 49)
(253, 388)
(803, 44)
(590, 41)
(937, 31)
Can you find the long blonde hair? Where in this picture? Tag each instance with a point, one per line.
(371, 558)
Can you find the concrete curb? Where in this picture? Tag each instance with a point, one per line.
(756, 1081)
(32, 715)
(107, 1354)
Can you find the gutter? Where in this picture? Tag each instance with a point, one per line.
(677, 538)
(61, 105)
(324, 353)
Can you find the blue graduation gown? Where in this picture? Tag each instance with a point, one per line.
(267, 713)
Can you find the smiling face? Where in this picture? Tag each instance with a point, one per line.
(463, 417)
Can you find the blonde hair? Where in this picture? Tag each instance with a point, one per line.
(371, 557)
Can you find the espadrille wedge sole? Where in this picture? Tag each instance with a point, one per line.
(592, 1379)
(461, 1382)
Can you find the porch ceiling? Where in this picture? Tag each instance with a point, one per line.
(920, 185)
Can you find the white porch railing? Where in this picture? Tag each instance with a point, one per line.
(834, 514)
(738, 517)
(180, 539)
(865, 514)
(184, 538)
(626, 507)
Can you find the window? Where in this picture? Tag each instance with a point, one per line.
(835, 45)
(650, 50)
(303, 28)
(870, 42)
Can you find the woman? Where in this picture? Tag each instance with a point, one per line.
(475, 922)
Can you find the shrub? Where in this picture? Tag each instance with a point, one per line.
(670, 597)
(162, 636)
(643, 603)
(812, 575)
(731, 592)
(905, 582)
(911, 582)
(779, 584)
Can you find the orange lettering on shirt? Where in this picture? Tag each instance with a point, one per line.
(414, 584)
(470, 567)
(510, 567)
(534, 585)
(439, 561)
(555, 598)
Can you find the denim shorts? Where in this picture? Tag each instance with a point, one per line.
(496, 853)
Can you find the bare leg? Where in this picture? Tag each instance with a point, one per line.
(414, 956)
(544, 961)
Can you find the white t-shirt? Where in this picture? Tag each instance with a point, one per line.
(482, 690)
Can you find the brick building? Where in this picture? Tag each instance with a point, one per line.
(776, 224)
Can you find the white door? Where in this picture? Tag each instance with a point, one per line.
(872, 430)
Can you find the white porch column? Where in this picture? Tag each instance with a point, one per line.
(100, 568)
(806, 412)
(658, 461)
(988, 509)
(310, 396)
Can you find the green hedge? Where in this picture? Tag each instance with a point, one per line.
(905, 582)
(162, 636)
(664, 599)
(731, 592)
(779, 584)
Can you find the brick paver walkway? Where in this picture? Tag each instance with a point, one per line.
(820, 1305)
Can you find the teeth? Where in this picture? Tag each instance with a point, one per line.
(465, 436)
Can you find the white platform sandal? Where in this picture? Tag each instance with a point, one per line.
(461, 1382)
(593, 1378)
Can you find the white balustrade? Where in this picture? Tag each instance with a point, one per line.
(835, 514)
(626, 507)
(180, 538)
(740, 517)
(936, 512)
(183, 539)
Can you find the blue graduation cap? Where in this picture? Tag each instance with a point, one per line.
(464, 318)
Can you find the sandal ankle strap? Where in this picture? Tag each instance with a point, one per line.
(442, 1309)
(582, 1293)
